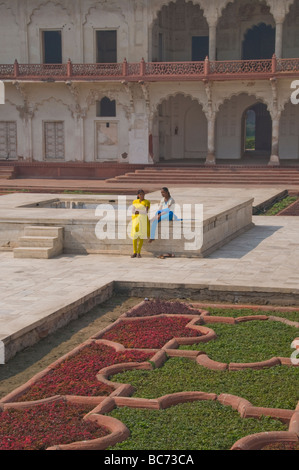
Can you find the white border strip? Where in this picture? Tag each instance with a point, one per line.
(2, 93)
(2, 353)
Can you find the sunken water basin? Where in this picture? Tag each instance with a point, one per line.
(84, 217)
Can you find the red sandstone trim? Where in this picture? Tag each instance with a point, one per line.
(252, 318)
(294, 423)
(214, 319)
(256, 412)
(274, 361)
(237, 403)
(205, 361)
(260, 440)
(134, 309)
(245, 306)
(183, 353)
(183, 397)
(119, 433)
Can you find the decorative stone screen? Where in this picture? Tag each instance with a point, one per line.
(54, 140)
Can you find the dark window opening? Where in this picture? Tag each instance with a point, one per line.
(200, 48)
(106, 108)
(259, 43)
(52, 47)
(106, 44)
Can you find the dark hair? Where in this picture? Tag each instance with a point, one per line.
(166, 190)
(140, 191)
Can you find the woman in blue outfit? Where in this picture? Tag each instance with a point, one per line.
(164, 212)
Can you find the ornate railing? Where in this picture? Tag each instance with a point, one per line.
(233, 67)
(152, 71)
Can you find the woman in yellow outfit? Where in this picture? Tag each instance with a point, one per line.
(140, 222)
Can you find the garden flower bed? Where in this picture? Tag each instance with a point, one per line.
(76, 375)
(144, 341)
(150, 332)
(28, 428)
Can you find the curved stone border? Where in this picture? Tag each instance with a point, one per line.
(260, 440)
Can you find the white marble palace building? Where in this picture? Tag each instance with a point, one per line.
(147, 81)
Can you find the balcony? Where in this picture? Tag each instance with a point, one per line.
(152, 71)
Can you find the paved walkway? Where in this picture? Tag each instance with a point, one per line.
(265, 257)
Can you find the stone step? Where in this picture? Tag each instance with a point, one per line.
(30, 241)
(7, 172)
(206, 175)
(43, 231)
(194, 180)
(40, 242)
(216, 169)
(34, 252)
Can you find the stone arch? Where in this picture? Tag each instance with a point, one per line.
(230, 122)
(13, 13)
(165, 3)
(179, 32)
(50, 99)
(290, 42)
(236, 19)
(179, 127)
(264, 45)
(51, 15)
(94, 20)
(44, 5)
(91, 10)
(97, 95)
(258, 96)
(155, 105)
(262, 131)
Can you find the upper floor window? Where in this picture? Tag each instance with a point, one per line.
(52, 47)
(106, 46)
(106, 107)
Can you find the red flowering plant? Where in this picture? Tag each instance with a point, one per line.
(149, 332)
(77, 374)
(46, 425)
(157, 307)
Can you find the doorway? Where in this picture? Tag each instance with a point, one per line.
(257, 125)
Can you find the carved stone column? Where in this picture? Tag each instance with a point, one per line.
(78, 113)
(211, 156)
(26, 113)
(212, 38)
(212, 13)
(211, 119)
(274, 159)
(279, 10)
(275, 114)
(278, 39)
